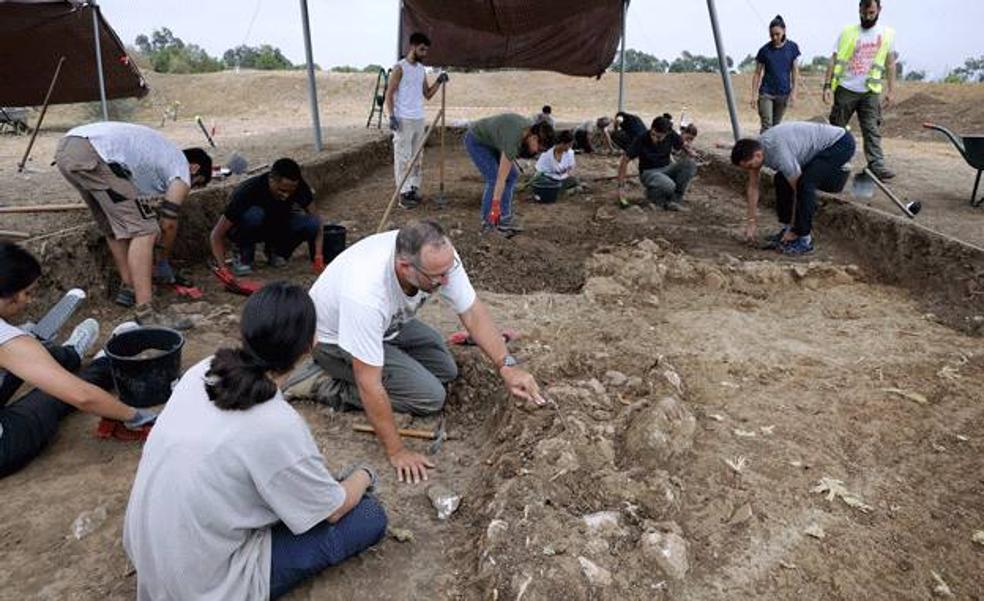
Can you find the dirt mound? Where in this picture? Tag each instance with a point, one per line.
(919, 101)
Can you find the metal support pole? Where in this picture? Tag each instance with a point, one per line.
(441, 200)
(99, 60)
(399, 30)
(729, 92)
(621, 61)
(312, 84)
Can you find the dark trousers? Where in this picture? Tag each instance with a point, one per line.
(868, 108)
(31, 422)
(281, 238)
(297, 557)
(817, 174)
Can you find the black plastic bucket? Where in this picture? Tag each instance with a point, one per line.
(546, 193)
(145, 382)
(334, 241)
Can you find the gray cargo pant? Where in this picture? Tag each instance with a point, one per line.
(868, 108)
(771, 110)
(416, 366)
(668, 183)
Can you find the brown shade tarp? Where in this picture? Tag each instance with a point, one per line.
(34, 34)
(576, 37)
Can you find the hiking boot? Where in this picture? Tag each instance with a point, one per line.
(148, 315)
(83, 337)
(277, 262)
(415, 194)
(674, 206)
(408, 201)
(125, 297)
(882, 173)
(800, 246)
(510, 225)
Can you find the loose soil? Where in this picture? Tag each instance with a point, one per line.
(700, 391)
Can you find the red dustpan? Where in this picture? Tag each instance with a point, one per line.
(243, 287)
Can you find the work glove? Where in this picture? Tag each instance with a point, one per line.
(224, 275)
(443, 77)
(495, 212)
(318, 265)
(144, 417)
(351, 469)
(394, 123)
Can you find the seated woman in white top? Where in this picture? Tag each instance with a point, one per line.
(555, 167)
(232, 499)
(28, 424)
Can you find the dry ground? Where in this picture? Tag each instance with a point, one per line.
(804, 355)
(264, 115)
(791, 370)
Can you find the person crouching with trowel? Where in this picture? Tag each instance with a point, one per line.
(386, 360)
(276, 208)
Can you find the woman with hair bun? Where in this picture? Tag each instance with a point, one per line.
(776, 75)
(232, 498)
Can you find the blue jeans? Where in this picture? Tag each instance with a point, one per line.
(297, 557)
(486, 159)
(280, 238)
(817, 174)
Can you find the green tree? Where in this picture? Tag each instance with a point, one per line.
(817, 66)
(972, 70)
(637, 61)
(168, 53)
(373, 68)
(747, 64)
(697, 63)
(346, 69)
(264, 57)
(915, 76)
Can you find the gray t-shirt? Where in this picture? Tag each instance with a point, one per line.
(789, 146)
(153, 160)
(209, 486)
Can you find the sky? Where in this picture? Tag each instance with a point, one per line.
(933, 36)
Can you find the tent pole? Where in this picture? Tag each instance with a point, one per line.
(729, 92)
(99, 59)
(44, 109)
(399, 30)
(312, 84)
(621, 61)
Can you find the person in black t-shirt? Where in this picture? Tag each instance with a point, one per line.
(276, 208)
(627, 128)
(665, 179)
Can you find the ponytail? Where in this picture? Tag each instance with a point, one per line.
(277, 328)
(780, 23)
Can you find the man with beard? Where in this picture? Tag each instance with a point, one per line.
(383, 358)
(861, 77)
(405, 96)
(493, 144)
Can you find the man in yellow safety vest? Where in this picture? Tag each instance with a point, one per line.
(861, 78)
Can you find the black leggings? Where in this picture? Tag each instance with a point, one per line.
(31, 422)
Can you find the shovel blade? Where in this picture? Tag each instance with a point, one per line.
(863, 186)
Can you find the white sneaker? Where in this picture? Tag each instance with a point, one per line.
(126, 326)
(83, 337)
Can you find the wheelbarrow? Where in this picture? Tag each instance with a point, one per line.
(972, 150)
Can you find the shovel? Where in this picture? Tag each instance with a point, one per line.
(864, 187)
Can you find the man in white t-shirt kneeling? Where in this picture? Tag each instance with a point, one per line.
(386, 360)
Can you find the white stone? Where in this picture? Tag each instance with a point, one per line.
(596, 575)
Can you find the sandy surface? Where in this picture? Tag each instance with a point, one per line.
(781, 373)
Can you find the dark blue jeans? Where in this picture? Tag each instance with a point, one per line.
(297, 557)
(31, 422)
(281, 238)
(486, 159)
(818, 173)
